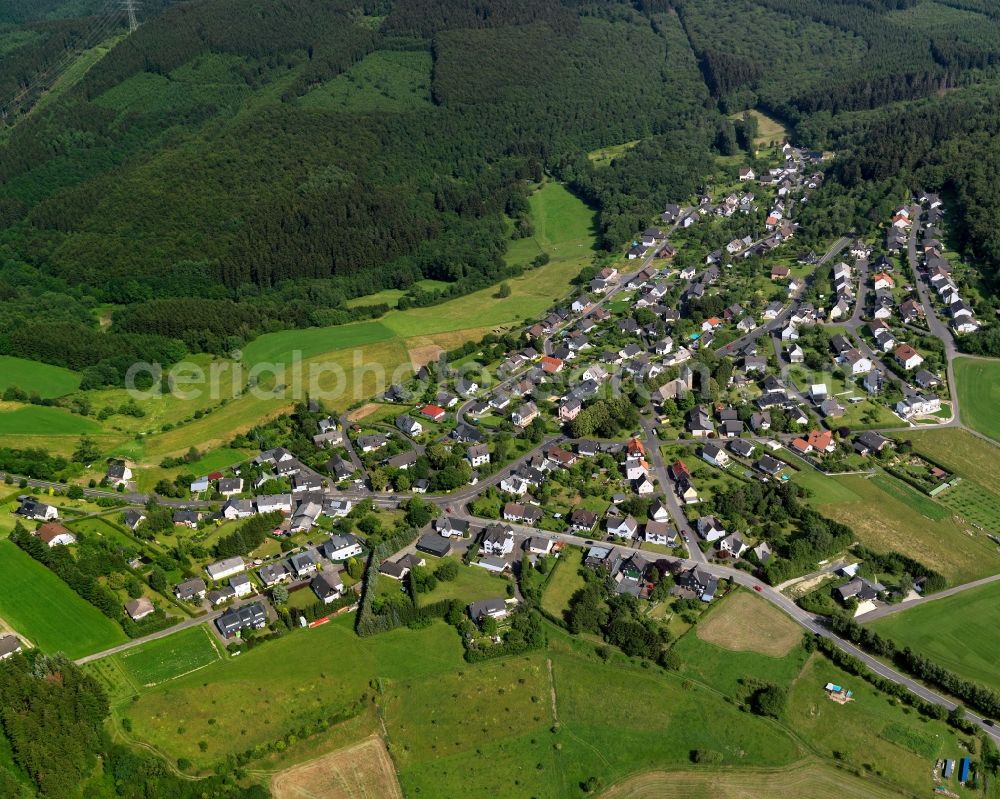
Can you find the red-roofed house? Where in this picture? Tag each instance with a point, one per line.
(54, 534)
(822, 440)
(883, 281)
(551, 365)
(432, 412)
(907, 357)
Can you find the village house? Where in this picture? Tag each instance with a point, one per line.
(53, 534)
(328, 586)
(625, 527)
(715, 455)
(907, 357)
(525, 415)
(498, 539)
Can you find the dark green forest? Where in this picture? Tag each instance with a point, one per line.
(208, 180)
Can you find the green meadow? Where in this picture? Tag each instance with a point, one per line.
(37, 378)
(46, 611)
(961, 632)
(38, 420)
(978, 384)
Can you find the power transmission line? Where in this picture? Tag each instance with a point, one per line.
(101, 25)
(133, 23)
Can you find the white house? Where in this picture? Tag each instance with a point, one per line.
(624, 527)
(222, 569)
(710, 529)
(907, 357)
(269, 503)
(715, 455)
(498, 539)
(478, 455)
(240, 583)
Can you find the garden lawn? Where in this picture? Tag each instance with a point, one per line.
(45, 610)
(565, 582)
(472, 584)
(961, 632)
(37, 378)
(978, 384)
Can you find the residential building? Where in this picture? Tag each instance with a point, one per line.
(235, 620)
(222, 569)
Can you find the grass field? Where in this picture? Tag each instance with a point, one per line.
(564, 583)
(45, 610)
(167, 658)
(874, 735)
(806, 779)
(361, 771)
(37, 378)
(889, 516)
(768, 129)
(978, 384)
(384, 82)
(960, 632)
(38, 420)
(825, 490)
(746, 623)
(278, 348)
(310, 672)
(605, 155)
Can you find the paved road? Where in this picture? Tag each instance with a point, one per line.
(184, 625)
(688, 534)
(934, 324)
(807, 620)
